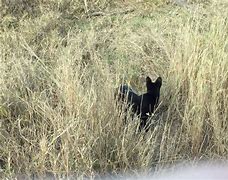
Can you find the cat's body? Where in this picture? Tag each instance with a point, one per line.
(142, 105)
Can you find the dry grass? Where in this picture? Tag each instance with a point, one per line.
(59, 70)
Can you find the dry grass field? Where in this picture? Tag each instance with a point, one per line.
(60, 62)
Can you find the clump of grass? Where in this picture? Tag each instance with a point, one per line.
(57, 108)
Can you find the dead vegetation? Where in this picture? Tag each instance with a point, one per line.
(59, 67)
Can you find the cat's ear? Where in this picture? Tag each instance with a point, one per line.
(149, 83)
(158, 82)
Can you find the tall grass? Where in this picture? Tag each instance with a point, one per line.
(58, 77)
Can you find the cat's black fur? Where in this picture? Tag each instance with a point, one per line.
(142, 105)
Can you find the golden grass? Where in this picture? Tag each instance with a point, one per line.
(59, 73)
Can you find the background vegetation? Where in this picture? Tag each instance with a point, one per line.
(61, 61)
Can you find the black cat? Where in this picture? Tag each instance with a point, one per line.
(141, 105)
